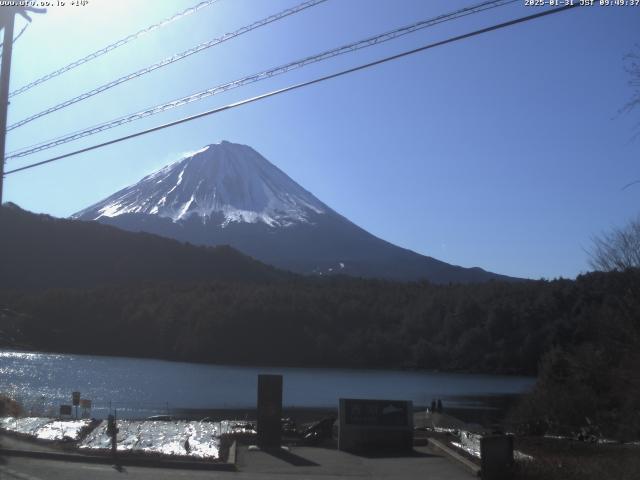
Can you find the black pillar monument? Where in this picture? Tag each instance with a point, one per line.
(269, 411)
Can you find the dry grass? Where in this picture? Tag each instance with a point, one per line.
(9, 407)
(568, 460)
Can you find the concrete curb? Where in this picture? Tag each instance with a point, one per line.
(466, 463)
(231, 458)
(154, 462)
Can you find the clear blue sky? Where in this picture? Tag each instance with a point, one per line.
(505, 151)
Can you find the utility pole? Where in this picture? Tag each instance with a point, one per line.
(7, 21)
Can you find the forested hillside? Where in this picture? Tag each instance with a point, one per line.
(39, 251)
(492, 327)
(87, 288)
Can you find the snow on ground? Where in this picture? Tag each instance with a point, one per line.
(44, 428)
(517, 454)
(470, 443)
(195, 439)
(452, 431)
(180, 437)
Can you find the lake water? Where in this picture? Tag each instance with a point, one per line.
(139, 387)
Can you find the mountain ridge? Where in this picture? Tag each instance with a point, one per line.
(235, 181)
(228, 193)
(39, 251)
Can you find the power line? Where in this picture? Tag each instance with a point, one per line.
(7, 21)
(113, 46)
(169, 61)
(15, 39)
(631, 184)
(300, 85)
(257, 77)
(21, 32)
(377, 39)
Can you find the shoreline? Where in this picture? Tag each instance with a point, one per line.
(406, 369)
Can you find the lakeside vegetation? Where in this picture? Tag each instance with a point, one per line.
(561, 459)
(9, 407)
(580, 337)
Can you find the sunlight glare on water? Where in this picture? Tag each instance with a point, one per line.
(142, 387)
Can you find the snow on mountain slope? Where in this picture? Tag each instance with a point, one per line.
(228, 194)
(225, 179)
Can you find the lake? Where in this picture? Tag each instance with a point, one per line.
(142, 387)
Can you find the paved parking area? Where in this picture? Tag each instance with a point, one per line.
(296, 462)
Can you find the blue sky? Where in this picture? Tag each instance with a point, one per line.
(504, 151)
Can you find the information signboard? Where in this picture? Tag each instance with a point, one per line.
(369, 425)
(376, 412)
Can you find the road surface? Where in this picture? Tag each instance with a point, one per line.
(298, 463)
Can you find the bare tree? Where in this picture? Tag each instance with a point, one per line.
(617, 250)
(632, 67)
(620, 249)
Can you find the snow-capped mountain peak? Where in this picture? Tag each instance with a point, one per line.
(228, 194)
(226, 181)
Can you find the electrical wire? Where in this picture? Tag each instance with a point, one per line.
(15, 39)
(377, 39)
(26, 25)
(169, 61)
(113, 46)
(300, 85)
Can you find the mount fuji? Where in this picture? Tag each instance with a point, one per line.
(228, 193)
